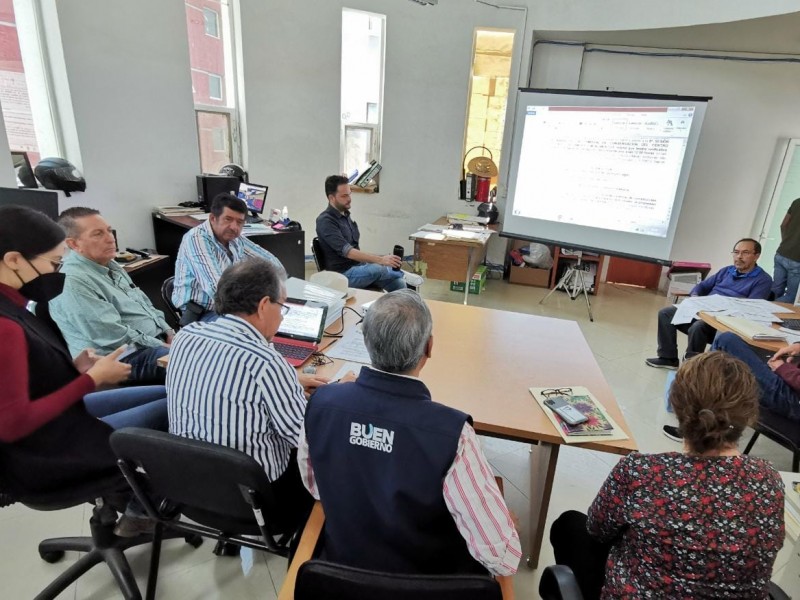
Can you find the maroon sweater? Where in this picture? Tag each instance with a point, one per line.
(790, 373)
(19, 416)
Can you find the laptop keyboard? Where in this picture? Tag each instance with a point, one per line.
(791, 324)
(292, 351)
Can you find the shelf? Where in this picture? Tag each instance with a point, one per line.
(584, 258)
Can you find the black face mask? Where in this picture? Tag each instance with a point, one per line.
(44, 288)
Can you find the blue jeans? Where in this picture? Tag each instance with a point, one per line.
(786, 279)
(143, 406)
(776, 395)
(363, 276)
(145, 365)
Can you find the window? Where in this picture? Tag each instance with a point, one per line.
(31, 125)
(210, 30)
(362, 88)
(211, 21)
(488, 90)
(214, 87)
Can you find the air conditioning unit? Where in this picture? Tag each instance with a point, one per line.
(681, 284)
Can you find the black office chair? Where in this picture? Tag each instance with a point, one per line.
(319, 257)
(318, 580)
(101, 546)
(779, 429)
(559, 583)
(224, 492)
(166, 296)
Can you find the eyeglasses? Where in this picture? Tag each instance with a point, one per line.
(284, 309)
(57, 264)
(556, 392)
(742, 252)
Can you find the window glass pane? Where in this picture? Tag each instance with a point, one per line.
(211, 22)
(362, 86)
(358, 147)
(14, 89)
(488, 94)
(208, 51)
(214, 87)
(214, 135)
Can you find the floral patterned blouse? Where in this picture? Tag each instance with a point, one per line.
(689, 527)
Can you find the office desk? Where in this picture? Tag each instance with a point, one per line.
(472, 369)
(288, 247)
(450, 260)
(149, 274)
(791, 313)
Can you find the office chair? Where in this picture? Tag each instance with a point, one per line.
(166, 296)
(318, 579)
(559, 583)
(101, 546)
(319, 257)
(226, 493)
(779, 429)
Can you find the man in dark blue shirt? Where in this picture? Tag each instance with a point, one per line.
(338, 237)
(743, 279)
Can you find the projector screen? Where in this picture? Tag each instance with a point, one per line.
(604, 171)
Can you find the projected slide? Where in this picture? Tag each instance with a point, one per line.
(607, 167)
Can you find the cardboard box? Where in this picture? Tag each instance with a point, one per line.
(529, 276)
(476, 285)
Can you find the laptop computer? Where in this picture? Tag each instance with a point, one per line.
(301, 331)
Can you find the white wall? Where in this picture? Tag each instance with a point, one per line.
(754, 105)
(128, 69)
(292, 69)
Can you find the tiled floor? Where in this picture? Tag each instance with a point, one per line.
(621, 337)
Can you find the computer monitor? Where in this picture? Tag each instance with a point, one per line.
(254, 195)
(44, 201)
(23, 170)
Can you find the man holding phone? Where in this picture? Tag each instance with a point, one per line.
(339, 236)
(779, 378)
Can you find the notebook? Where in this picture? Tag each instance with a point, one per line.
(752, 330)
(301, 330)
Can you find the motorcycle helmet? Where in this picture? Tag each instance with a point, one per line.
(234, 170)
(59, 174)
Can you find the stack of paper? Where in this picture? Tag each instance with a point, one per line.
(760, 311)
(752, 330)
(176, 211)
(465, 218)
(333, 299)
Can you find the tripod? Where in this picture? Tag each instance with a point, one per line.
(573, 284)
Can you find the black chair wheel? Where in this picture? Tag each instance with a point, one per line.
(226, 549)
(52, 557)
(194, 540)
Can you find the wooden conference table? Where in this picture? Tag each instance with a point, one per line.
(792, 312)
(483, 363)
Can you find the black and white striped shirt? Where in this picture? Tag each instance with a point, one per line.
(227, 385)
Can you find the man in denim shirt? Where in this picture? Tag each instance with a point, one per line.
(338, 236)
(100, 308)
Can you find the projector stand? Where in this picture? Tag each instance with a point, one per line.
(573, 284)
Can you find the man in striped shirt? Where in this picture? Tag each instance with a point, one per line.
(206, 251)
(403, 481)
(226, 383)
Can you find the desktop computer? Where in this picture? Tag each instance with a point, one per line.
(209, 186)
(255, 196)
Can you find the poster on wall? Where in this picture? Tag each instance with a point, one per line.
(17, 112)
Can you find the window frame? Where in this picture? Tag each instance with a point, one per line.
(234, 136)
(206, 10)
(377, 134)
(221, 79)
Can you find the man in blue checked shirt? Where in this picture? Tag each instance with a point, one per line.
(206, 251)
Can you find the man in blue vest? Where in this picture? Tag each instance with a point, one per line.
(403, 481)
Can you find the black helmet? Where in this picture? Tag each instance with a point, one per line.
(234, 170)
(59, 174)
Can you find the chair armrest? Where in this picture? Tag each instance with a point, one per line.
(559, 583)
(305, 550)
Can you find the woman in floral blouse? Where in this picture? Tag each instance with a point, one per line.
(704, 523)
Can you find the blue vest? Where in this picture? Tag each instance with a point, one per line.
(380, 449)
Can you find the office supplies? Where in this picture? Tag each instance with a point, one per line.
(141, 253)
(333, 299)
(301, 330)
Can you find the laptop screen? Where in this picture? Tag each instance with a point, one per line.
(304, 321)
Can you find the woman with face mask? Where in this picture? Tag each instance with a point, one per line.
(53, 429)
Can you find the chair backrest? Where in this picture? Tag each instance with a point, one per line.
(199, 477)
(319, 257)
(319, 579)
(558, 583)
(166, 296)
